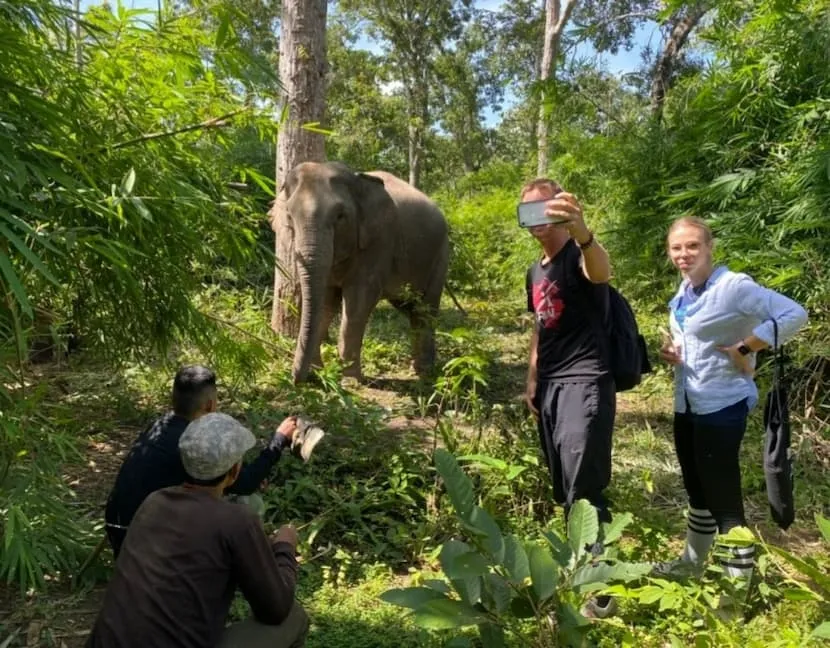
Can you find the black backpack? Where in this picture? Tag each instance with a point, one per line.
(627, 353)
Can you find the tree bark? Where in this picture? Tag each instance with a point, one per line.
(556, 17)
(418, 109)
(302, 70)
(661, 81)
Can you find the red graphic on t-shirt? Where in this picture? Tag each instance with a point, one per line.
(547, 305)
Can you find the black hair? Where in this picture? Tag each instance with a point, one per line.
(206, 482)
(192, 387)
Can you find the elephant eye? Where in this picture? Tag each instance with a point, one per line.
(340, 215)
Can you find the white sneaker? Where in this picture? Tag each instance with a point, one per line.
(594, 610)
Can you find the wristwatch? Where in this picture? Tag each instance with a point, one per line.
(743, 349)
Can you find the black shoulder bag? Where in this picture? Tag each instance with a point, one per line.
(778, 463)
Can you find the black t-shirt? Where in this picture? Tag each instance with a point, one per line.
(154, 463)
(569, 310)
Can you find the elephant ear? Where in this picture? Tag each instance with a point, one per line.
(376, 209)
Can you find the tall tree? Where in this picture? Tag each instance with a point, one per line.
(364, 110)
(302, 70)
(679, 28)
(413, 32)
(469, 80)
(611, 24)
(557, 15)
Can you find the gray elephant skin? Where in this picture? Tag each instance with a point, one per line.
(359, 238)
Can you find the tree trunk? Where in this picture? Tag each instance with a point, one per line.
(556, 17)
(418, 110)
(414, 152)
(665, 64)
(302, 74)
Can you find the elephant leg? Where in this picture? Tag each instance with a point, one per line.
(358, 304)
(423, 319)
(330, 307)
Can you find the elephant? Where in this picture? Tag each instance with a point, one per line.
(359, 238)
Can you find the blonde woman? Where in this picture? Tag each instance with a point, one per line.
(719, 320)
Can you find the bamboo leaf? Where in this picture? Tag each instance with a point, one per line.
(13, 282)
(821, 579)
(28, 254)
(128, 182)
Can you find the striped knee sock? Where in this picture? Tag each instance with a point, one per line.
(700, 534)
(737, 561)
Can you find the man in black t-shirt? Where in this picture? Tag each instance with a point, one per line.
(570, 389)
(154, 463)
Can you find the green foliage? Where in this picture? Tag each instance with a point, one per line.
(115, 202)
(497, 580)
(40, 535)
(490, 252)
(818, 587)
(115, 206)
(352, 499)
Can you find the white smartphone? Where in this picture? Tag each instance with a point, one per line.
(532, 213)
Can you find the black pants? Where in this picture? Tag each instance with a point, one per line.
(576, 424)
(707, 448)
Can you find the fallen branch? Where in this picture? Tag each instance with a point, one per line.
(214, 122)
(253, 336)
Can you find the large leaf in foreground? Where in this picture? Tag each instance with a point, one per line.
(444, 614)
(410, 597)
(583, 526)
(543, 572)
(459, 486)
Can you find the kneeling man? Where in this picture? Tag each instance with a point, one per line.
(186, 552)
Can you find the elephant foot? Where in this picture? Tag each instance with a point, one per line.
(311, 378)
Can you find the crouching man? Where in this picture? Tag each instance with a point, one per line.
(186, 552)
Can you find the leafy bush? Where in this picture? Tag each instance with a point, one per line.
(41, 535)
(498, 581)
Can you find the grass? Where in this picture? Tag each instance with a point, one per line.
(370, 512)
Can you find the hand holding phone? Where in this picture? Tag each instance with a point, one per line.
(532, 213)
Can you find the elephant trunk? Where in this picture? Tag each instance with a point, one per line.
(313, 268)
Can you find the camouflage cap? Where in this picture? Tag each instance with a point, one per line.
(212, 444)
